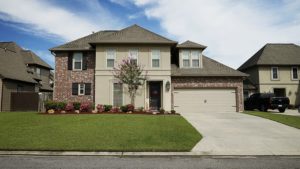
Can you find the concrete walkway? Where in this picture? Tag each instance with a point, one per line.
(231, 133)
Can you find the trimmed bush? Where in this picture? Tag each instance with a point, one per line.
(49, 104)
(61, 105)
(76, 105)
(124, 109)
(130, 107)
(173, 111)
(85, 107)
(162, 110)
(69, 107)
(107, 108)
(115, 110)
(100, 108)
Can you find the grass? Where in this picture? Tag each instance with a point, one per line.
(293, 121)
(32, 131)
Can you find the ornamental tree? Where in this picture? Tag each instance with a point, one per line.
(130, 73)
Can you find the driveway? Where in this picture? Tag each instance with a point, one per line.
(231, 133)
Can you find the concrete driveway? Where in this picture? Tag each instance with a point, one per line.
(231, 133)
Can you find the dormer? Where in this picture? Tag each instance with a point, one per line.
(190, 54)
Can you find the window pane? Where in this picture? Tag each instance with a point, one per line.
(118, 94)
(155, 62)
(275, 73)
(133, 54)
(110, 53)
(77, 57)
(195, 55)
(81, 89)
(77, 65)
(186, 63)
(295, 73)
(195, 63)
(110, 62)
(185, 55)
(155, 54)
(133, 61)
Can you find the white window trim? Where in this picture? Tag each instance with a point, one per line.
(73, 61)
(81, 94)
(190, 58)
(193, 59)
(115, 53)
(123, 96)
(152, 59)
(292, 74)
(137, 53)
(277, 73)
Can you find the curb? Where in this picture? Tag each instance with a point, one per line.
(136, 154)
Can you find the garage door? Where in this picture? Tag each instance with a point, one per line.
(204, 100)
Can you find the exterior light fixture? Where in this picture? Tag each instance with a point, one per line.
(168, 86)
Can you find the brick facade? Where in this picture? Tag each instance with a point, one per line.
(64, 78)
(212, 82)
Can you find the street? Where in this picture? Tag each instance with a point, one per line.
(206, 162)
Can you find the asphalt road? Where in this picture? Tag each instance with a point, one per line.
(76, 162)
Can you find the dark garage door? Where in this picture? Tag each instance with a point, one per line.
(24, 101)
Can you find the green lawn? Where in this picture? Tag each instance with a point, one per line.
(293, 121)
(32, 131)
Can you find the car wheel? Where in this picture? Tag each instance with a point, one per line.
(263, 108)
(281, 110)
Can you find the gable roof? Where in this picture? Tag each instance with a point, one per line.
(190, 45)
(134, 34)
(82, 43)
(31, 58)
(210, 68)
(11, 63)
(131, 34)
(274, 54)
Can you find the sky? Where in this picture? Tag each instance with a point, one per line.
(233, 30)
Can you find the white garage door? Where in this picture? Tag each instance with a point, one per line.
(204, 100)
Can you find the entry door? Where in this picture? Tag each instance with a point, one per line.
(155, 95)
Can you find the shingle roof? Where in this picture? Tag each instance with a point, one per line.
(191, 45)
(274, 54)
(31, 58)
(210, 68)
(11, 63)
(134, 34)
(82, 43)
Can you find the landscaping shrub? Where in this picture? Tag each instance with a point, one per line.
(76, 105)
(130, 107)
(50, 105)
(140, 109)
(162, 111)
(85, 107)
(69, 107)
(173, 111)
(115, 110)
(61, 105)
(107, 108)
(124, 109)
(100, 108)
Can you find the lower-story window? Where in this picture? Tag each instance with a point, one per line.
(81, 88)
(117, 94)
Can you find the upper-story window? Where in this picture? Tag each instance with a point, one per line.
(155, 56)
(77, 61)
(294, 73)
(110, 58)
(38, 71)
(185, 58)
(274, 73)
(133, 55)
(195, 58)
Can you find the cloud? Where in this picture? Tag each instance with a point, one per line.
(232, 30)
(45, 18)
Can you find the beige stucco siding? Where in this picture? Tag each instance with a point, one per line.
(285, 81)
(104, 78)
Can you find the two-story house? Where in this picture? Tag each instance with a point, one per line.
(179, 76)
(21, 71)
(274, 68)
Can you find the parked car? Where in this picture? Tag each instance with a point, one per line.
(265, 101)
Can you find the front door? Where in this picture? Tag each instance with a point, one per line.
(155, 95)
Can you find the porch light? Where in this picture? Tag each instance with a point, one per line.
(168, 85)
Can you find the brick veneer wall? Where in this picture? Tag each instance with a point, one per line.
(212, 82)
(64, 78)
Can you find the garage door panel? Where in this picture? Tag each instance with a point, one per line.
(204, 100)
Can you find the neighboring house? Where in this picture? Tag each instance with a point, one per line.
(275, 68)
(17, 73)
(179, 76)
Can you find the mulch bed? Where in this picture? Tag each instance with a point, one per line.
(70, 113)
